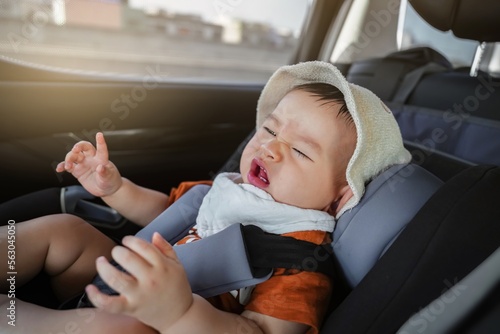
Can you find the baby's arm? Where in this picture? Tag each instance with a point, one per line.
(157, 293)
(138, 204)
(96, 173)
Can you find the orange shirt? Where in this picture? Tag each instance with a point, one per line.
(291, 295)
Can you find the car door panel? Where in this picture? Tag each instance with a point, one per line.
(167, 131)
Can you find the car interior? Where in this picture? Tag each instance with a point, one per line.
(397, 271)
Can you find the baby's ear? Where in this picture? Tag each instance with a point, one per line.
(345, 194)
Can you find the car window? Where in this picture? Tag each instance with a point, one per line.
(374, 28)
(415, 31)
(366, 30)
(218, 39)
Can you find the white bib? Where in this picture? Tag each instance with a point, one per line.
(230, 201)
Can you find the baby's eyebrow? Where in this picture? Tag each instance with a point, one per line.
(273, 118)
(302, 138)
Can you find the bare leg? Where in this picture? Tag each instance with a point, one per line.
(64, 246)
(29, 318)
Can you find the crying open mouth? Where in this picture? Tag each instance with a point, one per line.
(260, 172)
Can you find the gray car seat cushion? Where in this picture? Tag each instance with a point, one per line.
(175, 222)
(391, 200)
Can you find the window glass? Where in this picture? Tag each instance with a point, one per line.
(417, 32)
(196, 39)
(368, 30)
(375, 28)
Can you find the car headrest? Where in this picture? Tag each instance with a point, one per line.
(468, 19)
(391, 200)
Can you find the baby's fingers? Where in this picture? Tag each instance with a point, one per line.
(116, 279)
(163, 246)
(105, 170)
(60, 167)
(150, 254)
(84, 148)
(112, 304)
(75, 156)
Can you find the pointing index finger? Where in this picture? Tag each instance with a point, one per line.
(102, 148)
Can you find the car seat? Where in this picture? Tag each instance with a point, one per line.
(363, 233)
(385, 75)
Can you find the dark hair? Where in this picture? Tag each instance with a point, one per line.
(328, 93)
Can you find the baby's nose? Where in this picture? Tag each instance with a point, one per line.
(273, 150)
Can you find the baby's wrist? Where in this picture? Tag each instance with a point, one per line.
(116, 189)
(184, 321)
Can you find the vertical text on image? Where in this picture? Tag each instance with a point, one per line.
(11, 271)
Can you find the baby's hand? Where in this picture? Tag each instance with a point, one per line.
(156, 292)
(92, 167)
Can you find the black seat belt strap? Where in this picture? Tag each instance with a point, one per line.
(265, 250)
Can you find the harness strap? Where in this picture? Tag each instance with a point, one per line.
(266, 250)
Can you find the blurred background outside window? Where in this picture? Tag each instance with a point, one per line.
(242, 40)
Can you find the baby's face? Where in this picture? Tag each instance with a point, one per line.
(300, 153)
